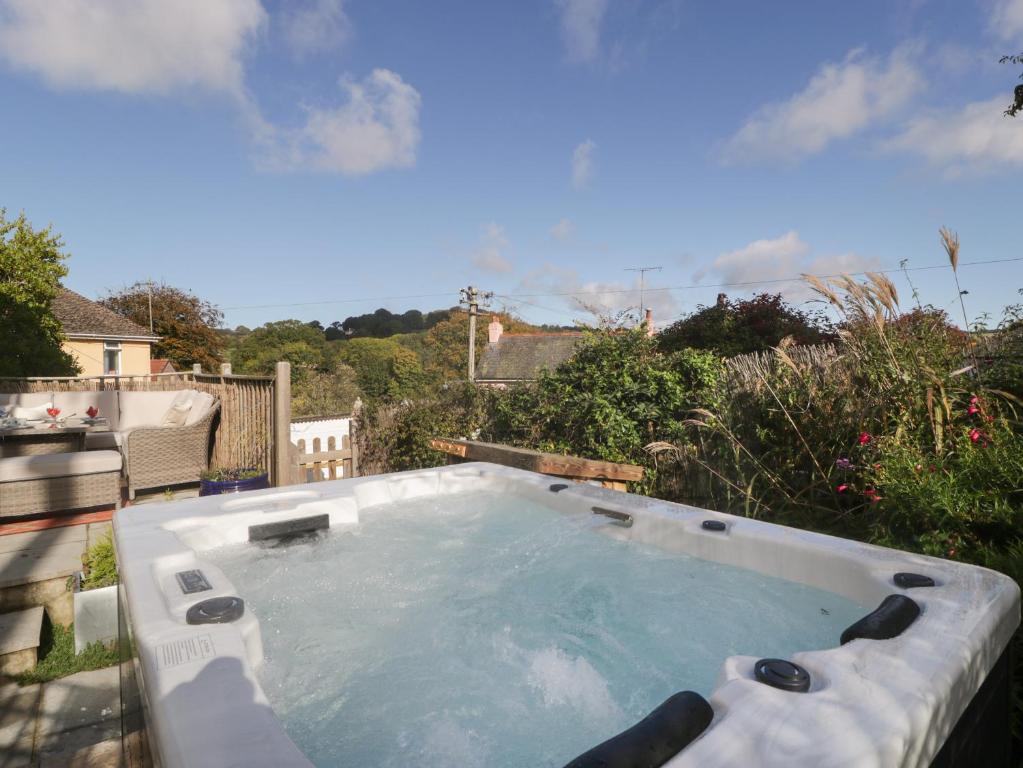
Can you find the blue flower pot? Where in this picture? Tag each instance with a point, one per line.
(217, 487)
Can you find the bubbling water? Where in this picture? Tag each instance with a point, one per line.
(489, 630)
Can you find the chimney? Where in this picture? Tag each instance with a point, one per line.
(648, 322)
(495, 329)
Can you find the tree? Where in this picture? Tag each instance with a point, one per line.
(31, 267)
(382, 324)
(384, 369)
(326, 393)
(187, 325)
(1017, 93)
(751, 325)
(290, 340)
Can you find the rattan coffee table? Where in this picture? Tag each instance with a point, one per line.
(35, 440)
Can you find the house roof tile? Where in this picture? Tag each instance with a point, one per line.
(521, 357)
(81, 317)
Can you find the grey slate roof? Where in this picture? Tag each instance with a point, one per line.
(520, 357)
(81, 317)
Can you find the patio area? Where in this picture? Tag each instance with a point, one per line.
(73, 722)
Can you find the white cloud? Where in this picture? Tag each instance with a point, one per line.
(582, 164)
(580, 27)
(316, 25)
(839, 101)
(376, 128)
(133, 46)
(1006, 19)
(562, 230)
(975, 138)
(779, 259)
(490, 253)
(600, 297)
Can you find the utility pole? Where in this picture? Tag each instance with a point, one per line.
(473, 296)
(149, 286)
(642, 285)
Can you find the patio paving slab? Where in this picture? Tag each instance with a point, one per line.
(74, 722)
(18, 709)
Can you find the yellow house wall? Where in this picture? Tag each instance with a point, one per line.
(89, 354)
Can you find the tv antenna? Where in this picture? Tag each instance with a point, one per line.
(642, 285)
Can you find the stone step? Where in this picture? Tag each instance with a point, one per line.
(19, 640)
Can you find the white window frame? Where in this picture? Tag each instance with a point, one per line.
(112, 346)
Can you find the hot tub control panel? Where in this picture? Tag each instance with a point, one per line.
(192, 581)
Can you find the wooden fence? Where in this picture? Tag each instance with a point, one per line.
(244, 434)
(312, 463)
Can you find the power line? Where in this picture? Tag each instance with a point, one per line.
(747, 283)
(691, 286)
(343, 301)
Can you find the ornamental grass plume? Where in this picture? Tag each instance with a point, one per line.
(950, 240)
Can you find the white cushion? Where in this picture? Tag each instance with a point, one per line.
(179, 408)
(25, 399)
(79, 402)
(33, 412)
(144, 409)
(58, 465)
(201, 404)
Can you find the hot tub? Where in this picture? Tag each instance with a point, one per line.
(481, 615)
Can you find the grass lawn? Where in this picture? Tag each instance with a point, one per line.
(57, 656)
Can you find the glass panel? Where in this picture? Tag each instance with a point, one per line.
(112, 361)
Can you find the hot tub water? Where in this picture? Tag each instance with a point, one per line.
(479, 629)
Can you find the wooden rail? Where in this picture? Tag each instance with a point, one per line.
(310, 466)
(610, 474)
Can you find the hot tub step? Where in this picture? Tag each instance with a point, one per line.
(19, 640)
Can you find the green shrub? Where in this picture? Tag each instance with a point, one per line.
(886, 441)
(99, 564)
(395, 437)
(616, 395)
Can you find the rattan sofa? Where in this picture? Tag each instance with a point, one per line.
(163, 456)
(154, 456)
(57, 482)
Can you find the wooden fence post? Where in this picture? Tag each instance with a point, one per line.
(282, 425)
(225, 369)
(353, 426)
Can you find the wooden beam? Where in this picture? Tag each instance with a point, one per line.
(311, 458)
(536, 461)
(57, 521)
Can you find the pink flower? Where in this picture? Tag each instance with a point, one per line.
(976, 435)
(843, 488)
(972, 410)
(974, 400)
(92, 410)
(53, 412)
(844, 464)
(872, 495)
(865, 438)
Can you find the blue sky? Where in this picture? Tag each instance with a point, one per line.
(324, 154)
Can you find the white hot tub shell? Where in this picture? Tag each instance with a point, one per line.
(891, 702)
